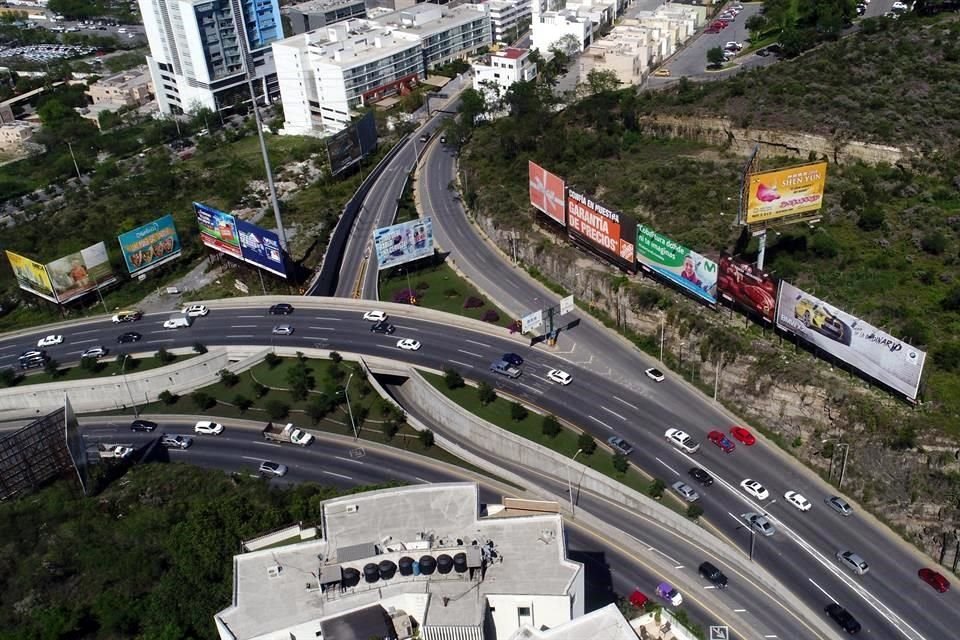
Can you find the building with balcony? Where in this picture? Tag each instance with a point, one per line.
(508, 19)
(447, 33)
(495, 73)
(316, 14)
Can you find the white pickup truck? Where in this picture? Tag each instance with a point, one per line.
(289, 433)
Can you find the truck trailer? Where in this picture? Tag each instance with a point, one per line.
(289, 433)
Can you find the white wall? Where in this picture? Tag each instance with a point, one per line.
(296, 85)
(549, 611)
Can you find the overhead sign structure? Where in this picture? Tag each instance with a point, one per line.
(745, 284)
(31, 276)
(79, 273)
(858, 343)
(404, 242)
(218, 230)
(531, 321)
(150, 246)
(261, 248)
(783, 195)
(548, 193)
(675, 262)
(602, 229)
(566, 305)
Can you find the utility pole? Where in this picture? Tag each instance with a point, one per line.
(662, 331)
(569, 483)
(75, 165)
(281, 234)
(716, 382)
(346, 394)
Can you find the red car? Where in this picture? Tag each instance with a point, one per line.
(722, 441)
(638, 600)
(743, 436)
(934, 579)
(719, 24)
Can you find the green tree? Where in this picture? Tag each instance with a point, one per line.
(277, 408)
(426, 438)
(620, 463)
(871, 219)
(52, 368)
(335, 357)
(602, 81)
(550, 426)
(715, 57)
(656, 489)
(260, 390)
(242, 402)
(390, 429)
(164, 356)
(518, 412)
(486, 393)
(228, 378)
(694, 511)
(320, 405)
(199, 347)
(166, 397)
(452, 378)
(91, 365)
(273, 360)
(202, 400)
(8, 377)
(300, 380)
(586, 443)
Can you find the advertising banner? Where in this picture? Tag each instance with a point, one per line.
(685, 268)
(531, 321)
(404, 242)
(261, 248)
(150, 246)
(548, 193)
(785, 192)
(31, 276)
(349, 146)
(599, 227)
(872, 351)
(744, 284)
(81, 272)
(566, 305)
(218, 230)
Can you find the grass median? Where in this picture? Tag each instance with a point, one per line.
(100, 369)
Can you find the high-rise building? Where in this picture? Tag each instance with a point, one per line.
(200, 50)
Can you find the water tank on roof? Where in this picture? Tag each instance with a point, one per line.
(428, 565)
(371, 572)
(460, 563)
(387, 569)
(444, 563)
(405, 564)
(351, 577)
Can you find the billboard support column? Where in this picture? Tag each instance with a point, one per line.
(281, 234)
(262, 286)
(763, 249)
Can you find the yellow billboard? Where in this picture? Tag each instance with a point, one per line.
(785, 192)
(32, 276)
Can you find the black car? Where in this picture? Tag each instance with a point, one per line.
(33, 353)
(701, 476)
(709, 572)
(843, 618)
(383, 327)
(142, 425)
(282, 309)
(513, 359)
(130, 336)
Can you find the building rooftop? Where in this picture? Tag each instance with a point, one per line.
(129, 78)
(319, 5)
(427, 19)
(351, 42)
(512, 53)
(603, 624)
(291, 588)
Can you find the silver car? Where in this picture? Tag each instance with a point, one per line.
(853, 562)
(839, 505)
(759, 523)
(282, 330)
(274, 469)
(686, 491)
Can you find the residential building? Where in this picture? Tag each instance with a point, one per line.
(124, 89)
(202, 50)
(550, 27)
(14, 136)
(429, 557)
(509, 19)
(448, 33)
(495, 73)
(328, 73)
(316, 14)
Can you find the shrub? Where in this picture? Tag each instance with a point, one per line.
(915, 332)
(8, 377)
(199, 347)
(551, 426)
(405, 296)
(90, 364)
(656, 488)
(426, 438)
(167, 398)
(951, 302)
(277, 408)
(620, 463)
(452, 378)
(165, 356)
(260, 390)
(490, 316)
(272, 360)
(587, 443)
(518, 412)
(335, 357)
(934, 243)
(694, 511)
(486, 394)
(242, 402)
(52, 368)
(871, 220)
(389, 429)
(472, 303)
(203, 400)
(824, 245)
(451, 293)
(422, 286)
(515, 327)
(228, 378)
(647, 298)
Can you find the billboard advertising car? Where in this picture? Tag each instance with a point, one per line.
(678, 264)
(742, 283)
(149, 246)
(601, 229)
(31, 276)
(404, 242)
(218, 230)
(349, 146)
(548, 193)
(774, 195)
(79, 273)
(261, 248)
(872, 351)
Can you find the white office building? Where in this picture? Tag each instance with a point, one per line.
(425, 557)
(317, 14)
(508, 19)
(448, 33)
(200, 50)
(494, 74)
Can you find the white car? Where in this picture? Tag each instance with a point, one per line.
(49, 341)
(375, 316)
(733, 46)
(282, 330)
(654, 374)
(209, 428)
(560, 377)
(755, 489)
(94, 352)
(681, 440)
(797, 500)
(899, 6)
(196, 310)
(408, 344)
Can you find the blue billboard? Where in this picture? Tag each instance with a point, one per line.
(261, 248)
(404, 242)
(150, 246)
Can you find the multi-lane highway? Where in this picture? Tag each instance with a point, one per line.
(890, 600)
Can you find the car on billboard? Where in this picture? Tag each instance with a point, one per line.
(744, 283)
(821, 320)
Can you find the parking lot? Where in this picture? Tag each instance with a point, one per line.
(45, 52)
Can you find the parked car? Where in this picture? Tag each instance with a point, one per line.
(709, 572)
(843, 618)
(176, 442)
(839, 505)
(667, 592)
(282, 309)
(142, 425)
(620, 445)
(662, 73)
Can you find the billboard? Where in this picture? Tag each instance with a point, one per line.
(31, 276)
(601, 229)
(531, 321)
(685, 268)
(261, 248)
(548, 193)
(774, 195)
(566, 305)
(79, 273)
(877, 354)
(149, 246)
(352, 144)
(404, 242)
(742, 283)
(218, 230)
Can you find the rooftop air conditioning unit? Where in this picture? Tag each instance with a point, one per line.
(352, 508)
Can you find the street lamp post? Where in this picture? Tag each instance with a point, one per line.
(716, 381)
(123, 375)
(569, 483)
(662, 332)
(346, 394)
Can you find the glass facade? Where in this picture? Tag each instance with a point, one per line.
(220, 38)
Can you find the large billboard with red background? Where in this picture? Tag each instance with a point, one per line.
(742, 283)
(548, 193)
(610, 233)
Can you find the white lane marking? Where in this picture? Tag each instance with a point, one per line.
(469, 353)
(533, 389)
(171, 339)
(462, 364)
(679, 566)
(770, 635)
(82, 333)
(822, 590)
(667, 466)
(613, 412)
(739, 610)
(405, 328)
(479, 344)
(84, 341)
(599, 421)
(251, 317)
(541, 378)
(9, 346)
(709, 586)
(337, 475)
(250, 335)
(267, 444)
(317, 338)
(353, 460)
(243, 326)
(254, 459)
(322, 328)
(421, 480)
(632, 406)
(672, 560)
(330, 319)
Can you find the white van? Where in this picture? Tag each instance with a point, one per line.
(178, 320)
